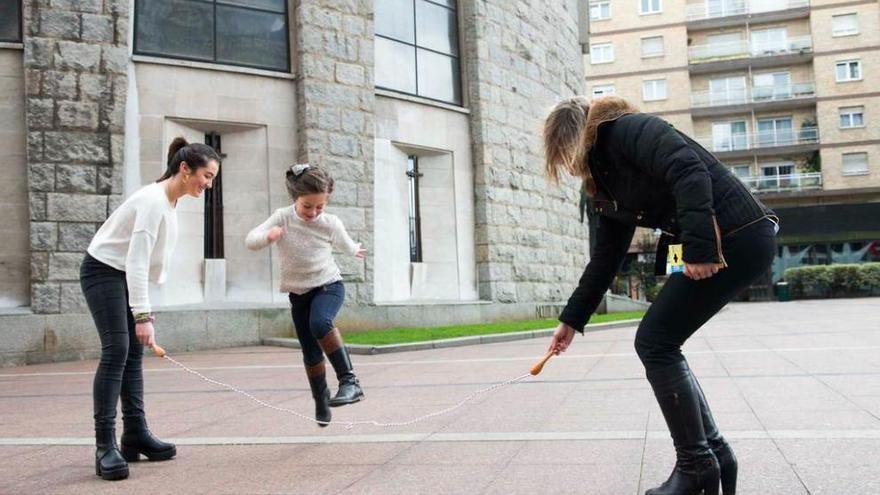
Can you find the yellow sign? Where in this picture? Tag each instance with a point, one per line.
(674, 263)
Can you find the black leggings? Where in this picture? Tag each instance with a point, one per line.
(313, 314)
(120, 372)
(684, 305)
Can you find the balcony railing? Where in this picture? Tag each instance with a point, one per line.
(714, 10)
(788, 182)
(758, 94)
(714, 52)
(760, 140)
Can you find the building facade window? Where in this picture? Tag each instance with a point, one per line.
(778, 131)
(10, 21)
(600, 11)
(415, 218)
(417, 48)
(652, 46)
(855, 163)
(845, 24)
(741, 170)
(849, 70)
(852, 117)
(654, 89)
(249, 33)
(650, 6)
(729, 136)
(601, 90)
(601, 53)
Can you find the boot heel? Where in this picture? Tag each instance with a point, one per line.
(97, 467)
(130, 454)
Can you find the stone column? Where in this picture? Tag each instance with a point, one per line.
(335, 116)
(521, 58)
(76, 58)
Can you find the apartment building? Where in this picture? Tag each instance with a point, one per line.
(784, 92)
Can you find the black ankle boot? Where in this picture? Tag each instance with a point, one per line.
(722, 450)
(696, 468)
(137, 439)
(321, 394)
(350, 390)
(109, 463)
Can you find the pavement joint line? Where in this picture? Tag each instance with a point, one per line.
(460, 361)
(464, 437)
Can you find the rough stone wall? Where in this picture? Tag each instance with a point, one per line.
(521, 57)
(75, 64)
(335, 116)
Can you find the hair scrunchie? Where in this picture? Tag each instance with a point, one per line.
(299, 168)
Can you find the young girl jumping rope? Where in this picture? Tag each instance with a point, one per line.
(133, 247)
(306, 237)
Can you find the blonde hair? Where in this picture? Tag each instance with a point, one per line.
(564, 130)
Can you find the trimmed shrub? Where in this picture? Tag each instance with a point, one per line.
(845, 280)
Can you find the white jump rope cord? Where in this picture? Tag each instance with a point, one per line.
(352, 424)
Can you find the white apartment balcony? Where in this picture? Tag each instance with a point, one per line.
(716, 57)
(764, 143)
(784, 183)
(722, 13)
(775, 97)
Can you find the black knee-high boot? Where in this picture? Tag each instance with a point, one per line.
(318, 383)
(109, 463)
(723, 451)
(696, 468)
(138, 440)
(350, 390)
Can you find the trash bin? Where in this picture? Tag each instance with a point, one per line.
(783, 292)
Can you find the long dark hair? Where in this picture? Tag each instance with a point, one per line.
(196, 155)
(303, 180)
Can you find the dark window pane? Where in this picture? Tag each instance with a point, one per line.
(273, 5)
(10, 20)
(436, 28)
(394, 19)
(250, 37)
(177, 28)
(439, 77)
(395, 66)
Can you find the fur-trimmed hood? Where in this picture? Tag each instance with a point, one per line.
(604, 109)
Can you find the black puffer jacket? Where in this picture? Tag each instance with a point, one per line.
(648, 174)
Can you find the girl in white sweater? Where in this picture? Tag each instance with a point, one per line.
(306, 237)
(130, 249)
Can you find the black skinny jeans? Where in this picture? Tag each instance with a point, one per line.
(120, 372)
(313, 314)
(684, 305)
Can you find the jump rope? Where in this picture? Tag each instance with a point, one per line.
(536, 368)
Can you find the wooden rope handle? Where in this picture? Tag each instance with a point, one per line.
(158, 350)
(537, 367)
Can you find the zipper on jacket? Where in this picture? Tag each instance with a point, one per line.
(718, 242)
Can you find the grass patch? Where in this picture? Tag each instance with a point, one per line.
(403, 335)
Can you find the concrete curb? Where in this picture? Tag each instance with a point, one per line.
(456, 342)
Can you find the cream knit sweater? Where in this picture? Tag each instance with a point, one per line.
(306, 248)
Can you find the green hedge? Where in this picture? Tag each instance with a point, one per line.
(834, 280)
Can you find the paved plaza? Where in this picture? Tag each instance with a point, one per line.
(793, 385)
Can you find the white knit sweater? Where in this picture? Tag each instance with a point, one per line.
(139, 238)
(306, 248)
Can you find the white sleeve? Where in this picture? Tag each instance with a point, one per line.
(148, 218)
(257, 238)
(137, 270)
(341, 241)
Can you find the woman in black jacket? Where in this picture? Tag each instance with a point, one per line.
(640, 171)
